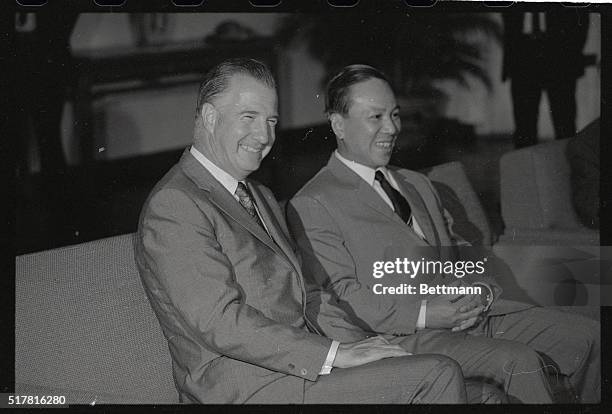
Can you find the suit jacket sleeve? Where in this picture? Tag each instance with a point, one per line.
(181, 250)
(328, 264)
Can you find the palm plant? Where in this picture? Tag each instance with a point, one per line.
(414, 49)
(411, 48)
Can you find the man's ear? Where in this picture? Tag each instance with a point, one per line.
(209, 116)
(337, 123)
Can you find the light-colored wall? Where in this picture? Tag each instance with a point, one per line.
(101, 30)
(151, 121)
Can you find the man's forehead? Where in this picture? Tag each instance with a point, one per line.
(372, 93)
(241, 82)
(243, 89)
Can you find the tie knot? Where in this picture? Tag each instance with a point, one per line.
(379, 176)
(242, 190)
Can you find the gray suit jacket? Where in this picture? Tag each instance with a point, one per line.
(342, 226)
(230, 300)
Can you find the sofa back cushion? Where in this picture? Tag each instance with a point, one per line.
(535, 188)
(84, 327)
(461, 201)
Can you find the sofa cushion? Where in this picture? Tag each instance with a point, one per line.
(84, 325)
(461, 201)
(535, 187)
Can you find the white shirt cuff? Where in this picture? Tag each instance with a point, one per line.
(422, 315)
(329, 361)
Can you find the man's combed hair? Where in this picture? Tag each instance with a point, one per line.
(216, 80)
(337, 97)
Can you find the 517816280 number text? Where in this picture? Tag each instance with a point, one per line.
(36, 400)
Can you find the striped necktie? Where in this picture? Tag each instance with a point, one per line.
(246, 200)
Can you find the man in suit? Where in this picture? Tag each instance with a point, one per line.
(543, 52)
(219, 269)
(357, 222)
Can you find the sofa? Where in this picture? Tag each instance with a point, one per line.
(553, 257)
(535, 195)
(85, 329)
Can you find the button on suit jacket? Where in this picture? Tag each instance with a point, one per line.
(230, 299)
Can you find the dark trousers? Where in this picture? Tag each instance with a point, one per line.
(526, 94)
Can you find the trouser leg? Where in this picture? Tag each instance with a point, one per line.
(480, 392)
(569, 340)
(417, 379)
(513, 366)
(562, 98)
(526, 93)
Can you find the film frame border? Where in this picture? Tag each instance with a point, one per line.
(295, 6)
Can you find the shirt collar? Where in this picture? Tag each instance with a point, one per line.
(226, 180)
(365, 172)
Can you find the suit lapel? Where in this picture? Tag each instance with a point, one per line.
(372, 199)
(366, 194)
(282, 245)
(220, 197)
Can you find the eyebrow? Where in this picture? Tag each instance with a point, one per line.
(247, 112)
(380, 108)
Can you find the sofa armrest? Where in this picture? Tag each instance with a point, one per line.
(552, 275)
(550, 237)
(535, 188)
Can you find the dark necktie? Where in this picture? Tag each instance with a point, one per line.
(400, 204)
(246, 200)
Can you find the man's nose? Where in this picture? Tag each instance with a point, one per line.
(261, 132)
(390, 126)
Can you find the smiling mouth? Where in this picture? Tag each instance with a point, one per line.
(384, 144)
(248, 148)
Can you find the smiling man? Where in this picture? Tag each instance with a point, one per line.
(217, 264)
(358, 212)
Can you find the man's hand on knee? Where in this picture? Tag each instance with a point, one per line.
(367, 350)
(470, 301)
(468, 323)
(443, 313)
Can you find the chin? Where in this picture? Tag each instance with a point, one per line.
(249, 169)
(382, 161)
